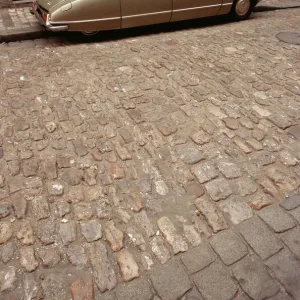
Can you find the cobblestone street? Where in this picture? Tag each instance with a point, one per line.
(152, 164)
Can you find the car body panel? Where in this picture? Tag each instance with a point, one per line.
(226, 7)
(145, 12)
(104, 14)
(95, 15)
(192, 9)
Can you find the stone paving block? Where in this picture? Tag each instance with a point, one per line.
(192, 295)
(169, 231)
(171, 281)
(286, 268)
(214, 282)
(139, 289)
(277, 218)
(291, 202)
(296, 214)
(292, 240)
(254, 279)
(260, 237)
(189, 153)
(204, 172)
(218, 189)
(238, 210)
(229, 246)
(198, 258)
(212, 213)
(281, 296)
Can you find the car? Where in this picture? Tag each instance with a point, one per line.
(91, 16)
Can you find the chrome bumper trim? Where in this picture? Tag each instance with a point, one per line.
(48, 24)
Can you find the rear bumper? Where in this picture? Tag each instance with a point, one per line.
(47, 24)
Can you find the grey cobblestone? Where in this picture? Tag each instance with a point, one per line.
(286, 270)
(229, 246)
(171, 281)
(291, 202)
(198, 258)
(254, 278)
(277, 219)
(260, 237)
(215, 283)
(292, 240)
(136, 290)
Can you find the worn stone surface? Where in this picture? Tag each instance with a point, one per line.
(46, 231)
(204, 172)
(254, 278)
(229, 246)
(206, 281)
(67, 232)
(170, 281)
(211, 212)
(277, 219)
(218, 189)
(53, 287)
(260, 237)
(5, 232)
(8, 278)
(77, 255)
(292, 240)
(169, 232)
(91, 230)
(104, 274)
(189, 153)
(285, 267)
(129, 291)
(198, 258)
(160, 250)
(238, 211)
(26, 234)
(114, 236)
(290, 202)
(82, 289)
(128, 266)
(50, 256)
(19, 205)
(28, 259)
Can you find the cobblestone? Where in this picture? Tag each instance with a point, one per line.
(218, 189)
(290, 202)
(211, 212)
(260, 237)
(169, 232)
(229, 246)
(250, 273)
(130, 144)
(215, 283)
(283, 220)
(171, 281)
(286, 270)
(292, 240)
(198, 258)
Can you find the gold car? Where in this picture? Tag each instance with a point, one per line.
(90, 16)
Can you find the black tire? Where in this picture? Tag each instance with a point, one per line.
(242, 9)
(89, 33)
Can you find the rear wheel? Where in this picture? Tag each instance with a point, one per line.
(89, 33)
(242, 9)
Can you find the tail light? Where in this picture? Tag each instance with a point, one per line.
(45, 17)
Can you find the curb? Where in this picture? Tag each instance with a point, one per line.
(23, 34)
(17, 4)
